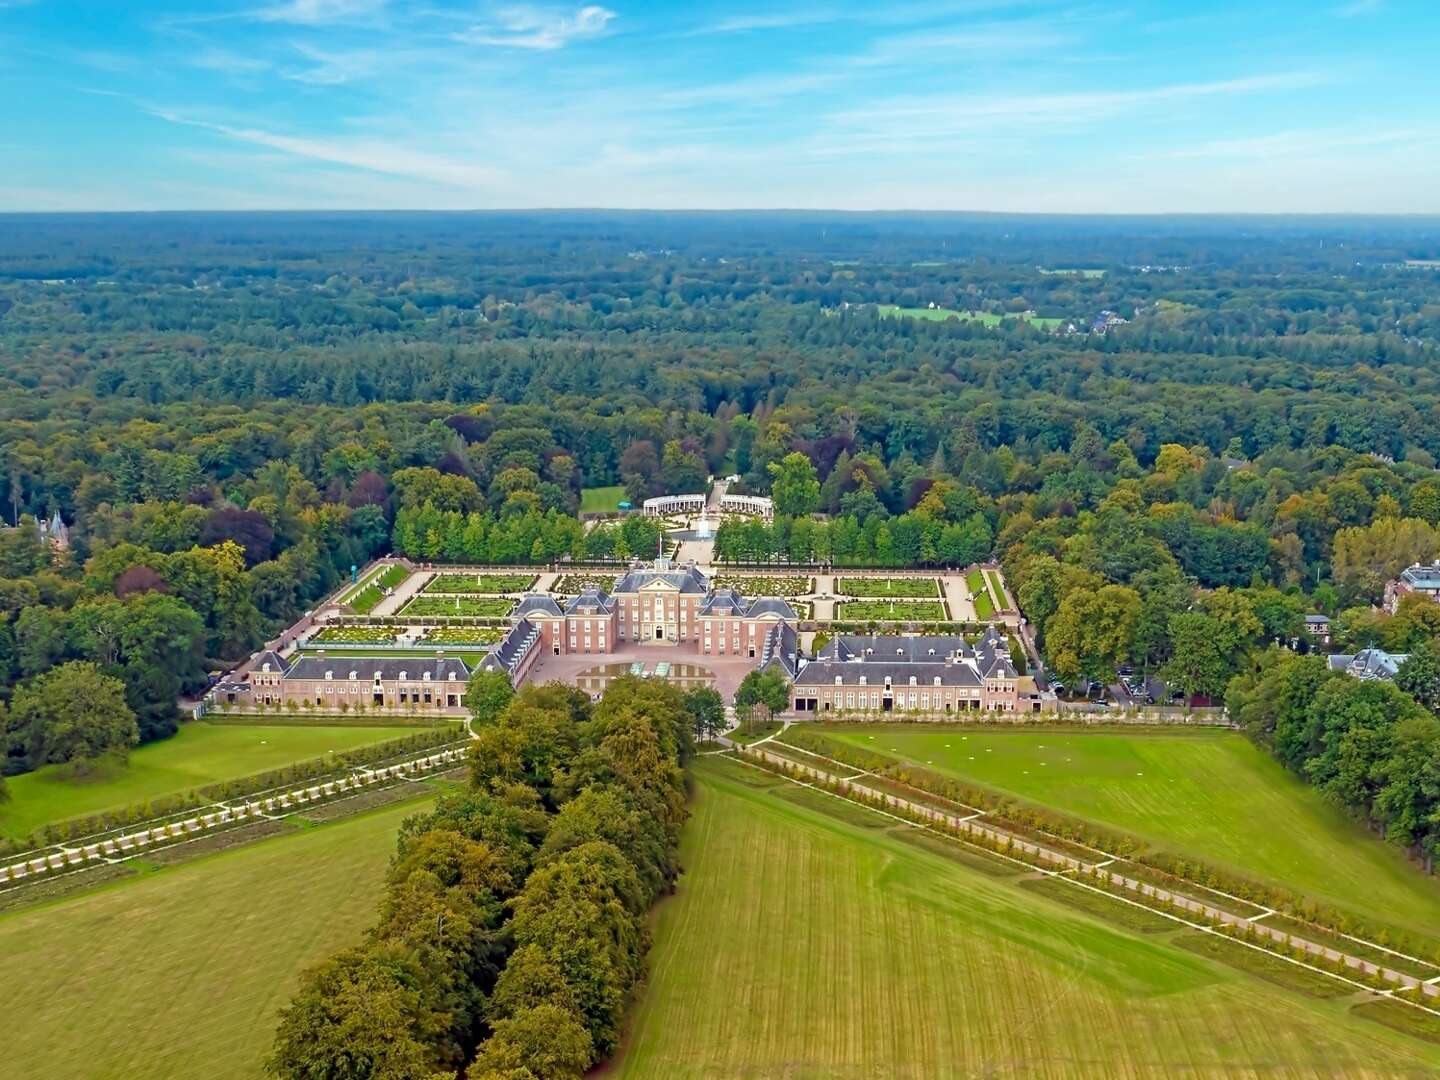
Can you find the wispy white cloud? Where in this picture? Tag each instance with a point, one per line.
(371, 154)
(317, 12)
(775, 20)
(1290, 145)
(227, 62)
(526, 27)
(333, 68)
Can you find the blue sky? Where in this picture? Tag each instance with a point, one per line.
(1150, 106)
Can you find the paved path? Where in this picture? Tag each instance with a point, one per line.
(403, 592)
(1067, 864)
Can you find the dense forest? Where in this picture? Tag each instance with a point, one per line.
(1229, 423)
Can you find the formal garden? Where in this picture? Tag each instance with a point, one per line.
(356, 635)
(477, 606)
(892, 610)
(575, 583)
(483, 584)
(462, 635)
(899, 587)
(766, 584)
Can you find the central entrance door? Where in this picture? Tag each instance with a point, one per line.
(659, 633)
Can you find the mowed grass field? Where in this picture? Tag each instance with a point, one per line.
(985, 318)
(601, 500)
(181, 973)
(1206, 794)
(806, 945)
(198, 754)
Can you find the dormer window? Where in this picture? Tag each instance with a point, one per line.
(329, 675)
(912, 680)
(937, 680)
(863, 680)
(404, 675)
(426, 676)
(451, 676)
(839, 680)
(354, 674)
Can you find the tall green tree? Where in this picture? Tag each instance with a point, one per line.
(73, 713)
(794, 486)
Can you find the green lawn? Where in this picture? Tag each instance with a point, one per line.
(980, 589)
(984, 318)
(601, 500)
(804, 944)
(180, 973)
(1210, 795)
(997, 590)
(197, 755)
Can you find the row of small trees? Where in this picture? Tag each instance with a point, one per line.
(513, 929)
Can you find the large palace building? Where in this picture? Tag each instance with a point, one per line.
(667, 607)
(660, 605)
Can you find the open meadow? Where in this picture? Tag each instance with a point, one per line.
(1207, 794)
(810, 938)
(601, 500)
(199, 753)
(180, 973)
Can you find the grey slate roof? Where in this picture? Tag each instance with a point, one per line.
(988, 658)
(771, 605)
(781, 649)
(1424, 577)
(537, 604)
(685, 580)
(591, 599)
(277, 662)
(511, 649)
(894, 648)
(387, 667)
(1368, 664)
(1316, 620)
(722, 602)
(824, 673)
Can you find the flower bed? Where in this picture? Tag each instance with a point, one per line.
(458, 605)
(356, 635)
(484, 584)
(892, 610)
(765, 584)
(462, 635)
(575, 584)
(888, 587)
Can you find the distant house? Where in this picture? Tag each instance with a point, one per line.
(1368, 664)
(1422, 578)
(54, 533)
(1317, 629)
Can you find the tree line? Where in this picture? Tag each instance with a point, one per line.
(513, 930)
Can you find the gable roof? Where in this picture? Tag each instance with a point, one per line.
(591, 599)
(511, 649)
(685, 580)
(771, 605)
(537, 604)
(276, 662)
